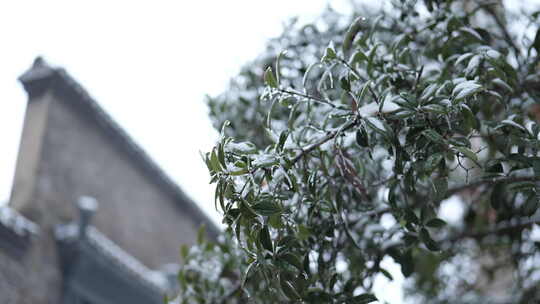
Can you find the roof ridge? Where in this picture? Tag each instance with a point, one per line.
(41, 71)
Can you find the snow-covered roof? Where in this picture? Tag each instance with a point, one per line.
(12, 220)
(155, 280)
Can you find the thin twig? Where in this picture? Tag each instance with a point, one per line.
(503, 29)
(326, 102)
(417, 80)
(353, 70)
(383, 182)
(375, 97)
(328, 137)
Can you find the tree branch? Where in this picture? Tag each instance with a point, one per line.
(501, 227)
(320, 100)
(325, 139)
(493, 181)
(457, 189)
(503, 29)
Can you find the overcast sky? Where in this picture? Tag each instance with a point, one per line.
(148, 63)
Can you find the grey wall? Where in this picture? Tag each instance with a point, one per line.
(34, 278)
(66, 152)
(80, 158)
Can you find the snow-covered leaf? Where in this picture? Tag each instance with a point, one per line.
(466, 89)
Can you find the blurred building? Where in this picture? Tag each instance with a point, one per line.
(91, 218)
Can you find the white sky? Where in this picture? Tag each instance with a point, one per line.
(149, 64)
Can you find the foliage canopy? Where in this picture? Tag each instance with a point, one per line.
(338, 154)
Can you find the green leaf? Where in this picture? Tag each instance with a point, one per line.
(433, 136)
(267, 208)
(221, 155)
(466, 89)
(288, 289)
(293, 259)
(436, 223)
(201, 233)
(305, 264)
(238, 170)
(468, 153)
(411, 217)
(357, 57)
(345, 84)
(521, 186)
(287, 241)
(409, 180)
(265, 161)
(318, 296)
(429, 91)
(303, 232)
(371, 57)
(376, 125)
(214, 161)
(495, 167)
(511, 124)
(440, 186)
(362, 299)
(351, 34)
(308, 70)
(497, 195)
(473, 65)
(536, 42)
(275, 221)
(182, 281)
(184, 251)
(407, 263)
(502, 84)
(362, 138)
(472, 33)
(278, 65)
(531, 205)
(242, 148)
(433, 161)
(409, 239)
(459, 141)
(536, 166)
(463, 57)
(269, 78)
(251, 267)
(282, 139)
(428, 241)
(469, 119)
(386, 274)
(329, 53)
(264, 238)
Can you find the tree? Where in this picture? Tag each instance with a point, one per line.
(339, 152)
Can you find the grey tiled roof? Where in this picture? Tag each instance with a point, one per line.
(154, 280)
(41, 76)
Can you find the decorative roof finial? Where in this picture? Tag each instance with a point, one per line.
(87, 207)
(39, 62)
